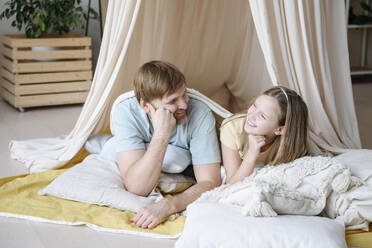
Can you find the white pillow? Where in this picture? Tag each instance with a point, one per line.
(95, 143)
(359, 161)
(222, 226)
(98, 181)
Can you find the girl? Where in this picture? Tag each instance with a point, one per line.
(273, 131)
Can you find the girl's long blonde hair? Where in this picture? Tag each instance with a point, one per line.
(292, 144)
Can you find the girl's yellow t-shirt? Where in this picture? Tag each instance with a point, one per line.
(233, 135)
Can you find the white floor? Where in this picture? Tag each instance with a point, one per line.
(54, 121)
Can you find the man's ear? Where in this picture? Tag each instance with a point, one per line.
(145, 106)
(279, 130)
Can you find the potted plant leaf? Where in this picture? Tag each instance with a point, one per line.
(360, 19)
(45, 17)
(37, 78)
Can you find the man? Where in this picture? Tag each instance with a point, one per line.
(159, 115)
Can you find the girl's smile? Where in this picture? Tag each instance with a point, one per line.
(263, 116)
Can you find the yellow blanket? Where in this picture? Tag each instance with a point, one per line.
(359, 238)
(19, 198)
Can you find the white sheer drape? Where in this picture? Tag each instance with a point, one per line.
(305, 48)
(44, 154)
(215, 43)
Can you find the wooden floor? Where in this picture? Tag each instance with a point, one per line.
(54, 121)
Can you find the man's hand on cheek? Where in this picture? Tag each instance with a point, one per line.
(153, 214)
(162, 120)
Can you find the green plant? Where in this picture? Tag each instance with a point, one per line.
(43, 17)
(360, 19)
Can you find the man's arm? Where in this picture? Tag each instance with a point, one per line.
(208, 176)
(140, 169)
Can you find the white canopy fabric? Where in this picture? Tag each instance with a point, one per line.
(305, 48)
(228, 50)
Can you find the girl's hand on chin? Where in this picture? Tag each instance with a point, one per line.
(255, 144)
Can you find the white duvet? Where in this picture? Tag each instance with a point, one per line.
(216, 219)
(306, 186)
(298, 187)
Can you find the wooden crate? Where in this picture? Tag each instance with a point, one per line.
(31, 78)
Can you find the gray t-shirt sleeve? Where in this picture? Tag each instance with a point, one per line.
(204, 145)
(127, 131)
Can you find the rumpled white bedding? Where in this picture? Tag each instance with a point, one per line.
(354, 207)
(306, 186)
(210, 223)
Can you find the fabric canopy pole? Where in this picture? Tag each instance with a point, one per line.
(305, 48)
(45, 154)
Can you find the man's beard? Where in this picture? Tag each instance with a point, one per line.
(181, 120)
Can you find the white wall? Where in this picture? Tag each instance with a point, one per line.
(93, 32)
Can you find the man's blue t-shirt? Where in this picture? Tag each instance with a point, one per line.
(132, 129)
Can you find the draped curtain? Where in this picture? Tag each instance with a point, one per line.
(44, 154)
(228, 50)
(305, 48)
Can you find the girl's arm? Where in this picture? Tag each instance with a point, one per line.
(236, 169)
(231, 161)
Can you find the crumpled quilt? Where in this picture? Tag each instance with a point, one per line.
(301, 187)
(354, 207)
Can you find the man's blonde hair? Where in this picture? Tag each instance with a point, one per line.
(157, 79)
